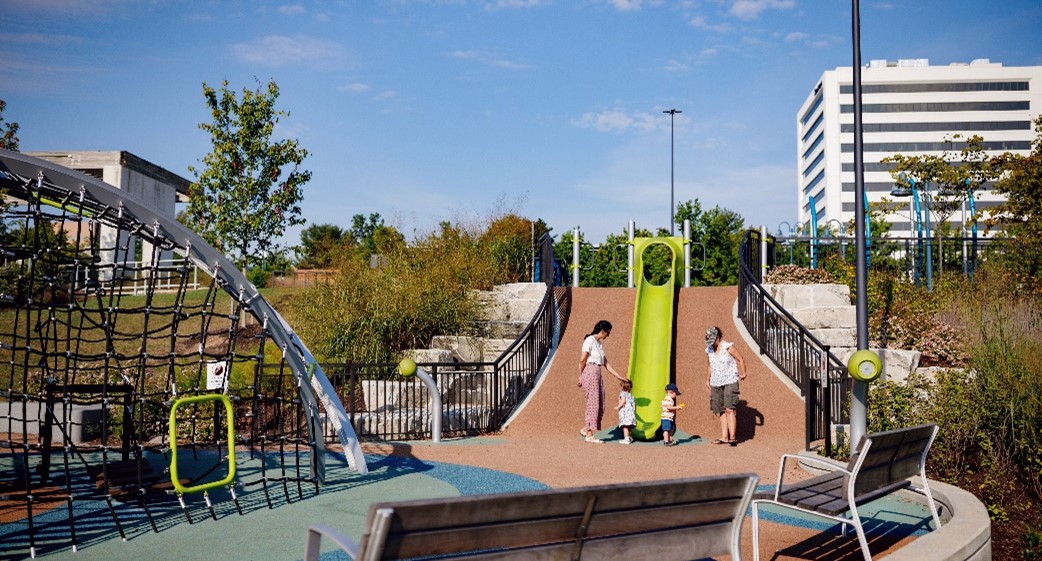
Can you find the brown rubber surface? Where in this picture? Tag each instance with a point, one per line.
(543, 441)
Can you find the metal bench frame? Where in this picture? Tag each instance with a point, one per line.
(884, 463)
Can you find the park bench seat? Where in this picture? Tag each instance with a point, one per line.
(883, 463)
(679, 520)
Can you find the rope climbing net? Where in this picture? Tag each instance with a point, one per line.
(131, 350)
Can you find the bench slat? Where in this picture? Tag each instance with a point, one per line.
(674, 544)
(464, 511)
(519, 533)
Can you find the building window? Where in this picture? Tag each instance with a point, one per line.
(812, 165)
(817, 179)
(943, 127)
(814, 127)
(939, 107)
(938, 87)
(869, 166)
(814, 106)
(905, 147)
(817, 141)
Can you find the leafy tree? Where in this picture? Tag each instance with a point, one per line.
(719, 231)
(8, 131)
(602, 264)
(955, 176)
(319, 244)
(1021, 214)
(509, 241)
(250, 188)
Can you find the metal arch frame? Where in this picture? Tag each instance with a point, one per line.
(106, 202)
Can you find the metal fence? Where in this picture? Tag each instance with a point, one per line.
(922, 259)
(820, 375)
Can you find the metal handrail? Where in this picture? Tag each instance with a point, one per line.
(793, 348)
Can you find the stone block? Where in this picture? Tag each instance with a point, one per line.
(430, 355)
(799, 296)
(898, 364)
(83, 422)
(836, 337)
(383, 396)
(834, 317)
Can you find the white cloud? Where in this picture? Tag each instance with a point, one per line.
(751, 9)
(291, 9)
(389, 94)
(488, 60)
(507, 4)
(796, 37)
(616, 120)
(677, 66)
(279, 50)
(701, 22)
(353, 88)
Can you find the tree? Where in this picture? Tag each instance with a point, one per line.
(957, 177)
(250, 188)
(1021, 214)
(8, 131)
(719, 232)
(319, 245)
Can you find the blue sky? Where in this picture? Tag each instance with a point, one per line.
(458, 110)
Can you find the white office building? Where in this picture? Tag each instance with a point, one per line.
(909, 108)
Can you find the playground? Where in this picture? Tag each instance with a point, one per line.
(192, 462)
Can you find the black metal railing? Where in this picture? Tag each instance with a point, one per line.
(796, 352)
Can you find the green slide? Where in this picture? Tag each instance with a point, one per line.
(651, 347)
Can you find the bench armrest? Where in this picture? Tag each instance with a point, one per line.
(823, 462)
(314, 542)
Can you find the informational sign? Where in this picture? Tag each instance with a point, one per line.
(217, 375)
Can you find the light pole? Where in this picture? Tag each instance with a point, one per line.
(672, 213)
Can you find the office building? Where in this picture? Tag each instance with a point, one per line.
(908, 107)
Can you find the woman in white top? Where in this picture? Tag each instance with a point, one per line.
(726, 368)
(593, 359)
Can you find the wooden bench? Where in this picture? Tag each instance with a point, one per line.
(883, 463)
(677, 520)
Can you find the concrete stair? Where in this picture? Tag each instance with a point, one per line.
(825, 310)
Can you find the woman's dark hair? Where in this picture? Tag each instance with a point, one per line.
(603, 325)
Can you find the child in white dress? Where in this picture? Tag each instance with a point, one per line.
(627, 412)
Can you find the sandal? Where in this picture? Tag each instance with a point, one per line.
(733, 442)
(594, 439)
(721, 441)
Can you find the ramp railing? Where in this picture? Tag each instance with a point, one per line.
(822, 378)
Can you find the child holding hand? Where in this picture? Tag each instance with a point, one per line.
(627, 412)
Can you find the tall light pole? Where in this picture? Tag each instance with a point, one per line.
(859, 391)
(672, 213)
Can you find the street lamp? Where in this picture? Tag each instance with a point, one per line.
(672, 213)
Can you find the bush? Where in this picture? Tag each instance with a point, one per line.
(794, 274)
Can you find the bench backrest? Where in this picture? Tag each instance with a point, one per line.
(676, 519)
(886, 460)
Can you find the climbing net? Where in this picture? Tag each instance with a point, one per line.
(138, 367)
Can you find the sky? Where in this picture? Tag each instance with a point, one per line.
(463, 110)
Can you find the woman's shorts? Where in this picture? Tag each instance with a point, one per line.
(723, 397)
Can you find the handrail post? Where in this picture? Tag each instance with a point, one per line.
(687, 253)
(436, 407)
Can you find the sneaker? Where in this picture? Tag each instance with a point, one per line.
(582, 432)
(593, 439)
(626, 441)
